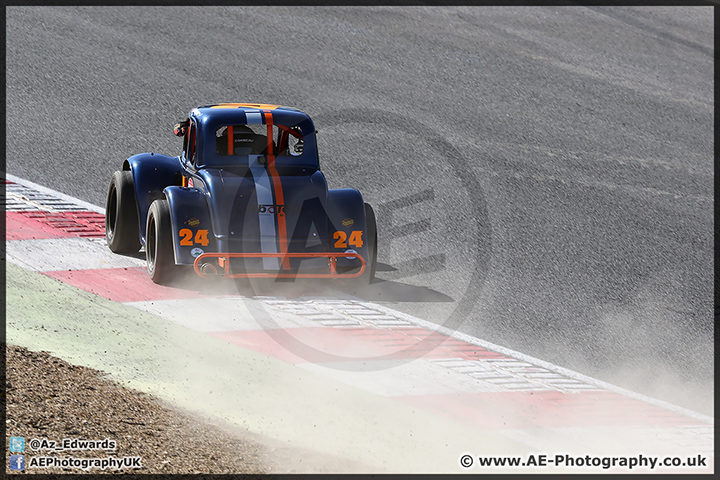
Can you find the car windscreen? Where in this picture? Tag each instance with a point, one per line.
(233, 145)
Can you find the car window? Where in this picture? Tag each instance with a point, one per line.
(189, 150)
(291, 142)
(226, 145)
(241, 140)
(252, 140)
(185, 144)
(192, 153)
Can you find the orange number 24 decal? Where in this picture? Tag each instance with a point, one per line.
(355, 239)
(186, 240)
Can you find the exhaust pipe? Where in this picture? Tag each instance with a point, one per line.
(208, 269)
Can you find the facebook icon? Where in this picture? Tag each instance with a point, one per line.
(17, 462)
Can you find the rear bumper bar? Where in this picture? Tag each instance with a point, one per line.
(224, 263)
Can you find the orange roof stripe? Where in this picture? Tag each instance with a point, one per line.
(260, 106)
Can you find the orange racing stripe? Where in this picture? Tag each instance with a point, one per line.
(264, 106)
(279, 197)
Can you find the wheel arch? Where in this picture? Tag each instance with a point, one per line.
(189, 212)
(151, 173)
(346, 213)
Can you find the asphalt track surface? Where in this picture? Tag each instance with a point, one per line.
(543, 177)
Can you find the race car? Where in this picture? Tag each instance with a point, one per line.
(244, 199)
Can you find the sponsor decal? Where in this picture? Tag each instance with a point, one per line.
(279, 209)
(196, 252)
(190, 182)
(193, 222)
(348, 222)
(350, 250)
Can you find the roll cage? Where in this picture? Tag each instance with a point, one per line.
(219, 139)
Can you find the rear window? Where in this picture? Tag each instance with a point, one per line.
(234, 140)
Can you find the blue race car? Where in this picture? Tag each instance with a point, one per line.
(245, 198)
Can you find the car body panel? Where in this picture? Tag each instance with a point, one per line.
(192, 232)
(151, 172)
(346, 214)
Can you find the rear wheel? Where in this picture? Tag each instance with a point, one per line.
(159, 246)
(371, 232)
(122, 231)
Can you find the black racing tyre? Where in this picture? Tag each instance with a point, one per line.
(371, 232)
(122, 230)
(159, 252)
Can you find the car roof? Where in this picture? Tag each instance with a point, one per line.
(238, 113)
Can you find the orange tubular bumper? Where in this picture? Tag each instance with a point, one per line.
(332, 258)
